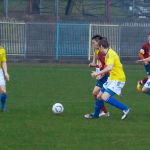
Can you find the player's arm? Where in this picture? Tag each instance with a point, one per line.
(144, 60)
(4, 67)
(93, 64)
(141, 54)
(107, 69)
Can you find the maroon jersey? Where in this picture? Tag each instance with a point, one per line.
(101, 58)
(146, 52)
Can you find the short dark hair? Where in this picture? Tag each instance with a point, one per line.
(98, 37)
(104, 43)
(148, 34)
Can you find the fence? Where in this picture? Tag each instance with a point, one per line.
(71, 42)
(125, 38)
(75, 9)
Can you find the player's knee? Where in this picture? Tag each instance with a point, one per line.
(144, 89)
(94, 93)
(2, 90)
(102, 97)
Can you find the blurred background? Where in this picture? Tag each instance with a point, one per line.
(61, 30)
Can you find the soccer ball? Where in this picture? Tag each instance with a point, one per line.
(57, 108)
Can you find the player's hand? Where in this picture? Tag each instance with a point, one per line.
(98, 77)
(100, 65)
(145, 63)
(139, 61)
(7, 76)
(93, 74)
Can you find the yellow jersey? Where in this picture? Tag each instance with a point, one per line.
(96, 53)
(117, 72)
(2, 55)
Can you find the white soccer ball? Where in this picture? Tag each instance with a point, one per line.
(57, 108)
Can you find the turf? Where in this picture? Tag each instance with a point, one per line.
(29, 123)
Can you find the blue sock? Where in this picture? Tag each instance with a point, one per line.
(147, 92)
(114, 102)
(98, 106)
(3, 100)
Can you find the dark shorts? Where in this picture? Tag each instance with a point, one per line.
(147, 68)
(100, 82)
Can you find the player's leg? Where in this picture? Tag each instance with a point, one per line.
(98, 105)
(112, 88)
(147, 69)
(146, 87)
(140, 83)
(116, 103)
(96, 91)
(97, 88)
(107, 96)
(3, 97)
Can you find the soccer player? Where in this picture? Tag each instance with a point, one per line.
(113, 85)
(99, 58)
(144, 53)
(3, 75)
(146, 85)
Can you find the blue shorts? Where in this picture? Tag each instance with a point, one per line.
(100, 82)
(147, 68)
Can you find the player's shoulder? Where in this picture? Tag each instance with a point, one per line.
(111, 52)
(145, 45)
(2, 49)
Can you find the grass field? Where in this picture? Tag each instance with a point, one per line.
(30, 125)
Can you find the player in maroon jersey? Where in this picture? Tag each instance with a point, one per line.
(143, 54)
(99, 63)
(146, 86)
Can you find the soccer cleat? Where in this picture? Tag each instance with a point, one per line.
(104, 114)
(90, 116)
(125, 113)
(139, 87)
(4, 110)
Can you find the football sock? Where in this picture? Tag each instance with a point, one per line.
(144, 80)
(104, 109)
(3, 100)
(114, 102)
(98, 106)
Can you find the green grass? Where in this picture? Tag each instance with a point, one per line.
(30, 124)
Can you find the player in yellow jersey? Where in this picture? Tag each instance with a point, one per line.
(113, 85)
(3, 75)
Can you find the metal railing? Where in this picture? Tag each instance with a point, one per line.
(61, 41)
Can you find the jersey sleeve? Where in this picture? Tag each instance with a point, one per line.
(3, 57)
(110, 59)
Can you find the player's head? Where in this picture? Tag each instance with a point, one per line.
(148, 37)
(95, 40)
(103, 44)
